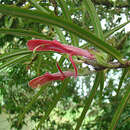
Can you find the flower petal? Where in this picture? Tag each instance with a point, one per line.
(46, 45)
(47, 77)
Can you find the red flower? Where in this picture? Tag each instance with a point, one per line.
(47, 77)
(45, 45)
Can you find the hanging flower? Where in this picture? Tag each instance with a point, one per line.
(46, 45)
(47, 77)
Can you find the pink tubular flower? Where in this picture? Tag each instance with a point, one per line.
(47, 77)
(46, 45)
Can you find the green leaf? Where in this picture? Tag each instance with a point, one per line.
(34, 99)
(65, 9)
(120, 108)
(94, 18)
(14, 61)
(44, 18)
(67, 16)
(109, 33)
(35, 4)
(122, 41)
(60, 35)
(89, 6)
(124, 121)
(101, 84)
(16, 56)
(124, 73)
(25, 33)
(8, 22)
(15, 53)
(89, 100)
(56, 99)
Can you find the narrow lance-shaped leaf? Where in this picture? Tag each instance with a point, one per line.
(53, 20)
(124, 73)
(120, 109)
(89, 6)
(109, 33)
(94, 18)
(101, 84)
(67, 16)
(61, 37)
(25, 33)
(15, 53)
(88, 101)
(35, 4)
(14, 60)
(15, 56)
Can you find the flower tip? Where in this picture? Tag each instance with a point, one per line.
(30, 44)
(31, 85)
(35, 44)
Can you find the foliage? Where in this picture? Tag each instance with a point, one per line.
(98, 98)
